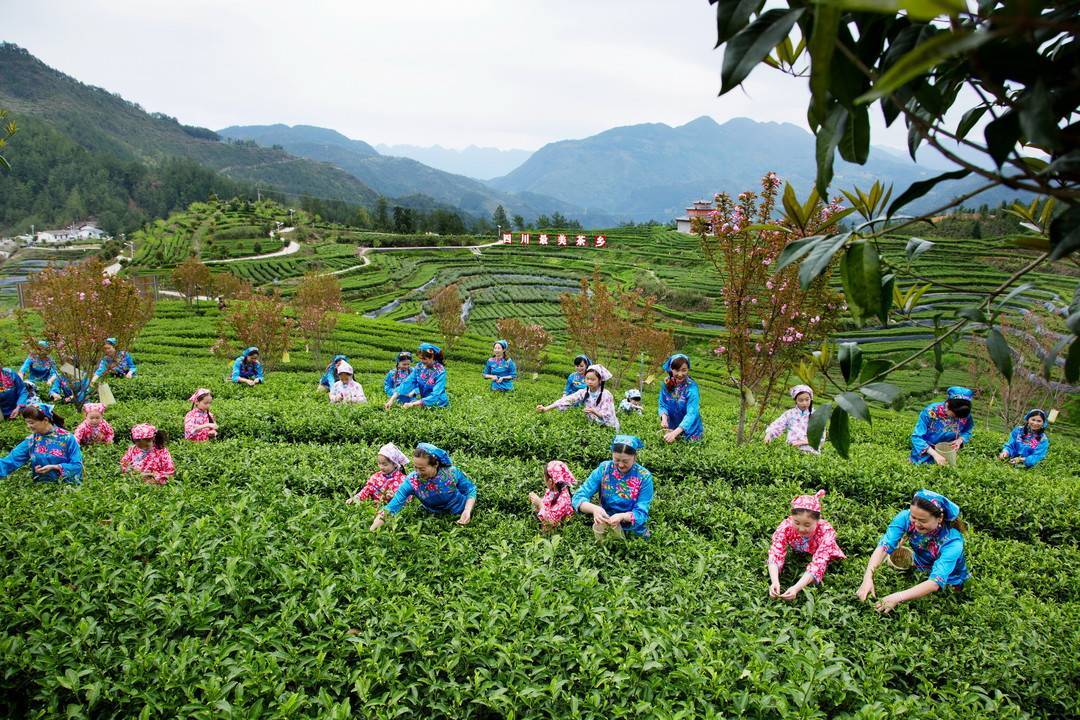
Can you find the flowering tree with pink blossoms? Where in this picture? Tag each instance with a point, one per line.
(770, 319)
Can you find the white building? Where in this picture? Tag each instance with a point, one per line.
(701, 208)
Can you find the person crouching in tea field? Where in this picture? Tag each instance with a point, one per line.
(598, 403)
(345, 389)
(427, 380)
(1027, 443)
(943, 428)
(63, 390)
(631, 402)
(500, 369)
(384, 483)
(199, 423)
(39, 365)
(94, 429)
(441, 488)
(680, 402)
(933, 531)
(51, 451)
(116, 363)
(576, 380)
(13, 393)
(398, 375)
(148, 456)
(626, 491)
(804, 531)
(795, 421)
(329, 376)
(556, 505)
(247, 368)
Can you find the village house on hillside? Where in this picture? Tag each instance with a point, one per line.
(69, 234)
(701, 209)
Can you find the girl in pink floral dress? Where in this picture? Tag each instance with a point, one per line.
(148, 456)
(94, 428)
(382, 485)
(556, 504)
(597, 402)
(804, 531)
(199, 423)
(795, 420)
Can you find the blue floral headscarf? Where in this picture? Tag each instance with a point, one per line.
(630, 441)
(439, 454)
(948, 508)
(673, 358)
(959, 393)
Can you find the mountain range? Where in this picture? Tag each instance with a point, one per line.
(482, 163)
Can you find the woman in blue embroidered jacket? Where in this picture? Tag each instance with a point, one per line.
(680, 402)
(934, 532)
(576, 380)
(499, 368)
(13, 393)
(398, 375)
(1027, 443)
(247, 369)
(427, 379)
(949, 422)
(440, 487)
(39, 365)
(116, 363)
(329, 376)
(51, 451)
(626, 491)
(63, 390)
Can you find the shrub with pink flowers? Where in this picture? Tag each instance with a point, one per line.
(770, 319)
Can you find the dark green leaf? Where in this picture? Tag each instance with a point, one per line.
(819, 420)
(822, 44)
(828, 137)
(1072, 363)
(855, 144)
(1002, 135)
(860, 274)
(1073, 323)
(916, 247)
(880, 391)
(921, 59)
(1050, 359)
(747, 48)
(1065, 233)
(732, 16)
(820, 257)
(1019, 290)
(998, 348)
(850, 357)
(839, 432)
(873, 368)
(920, 188)
(973, 313)
(795, 250)
(854, 405)
(887, 284)
(1037, 119)
(939, 352)
(971, 117)
(915, 9)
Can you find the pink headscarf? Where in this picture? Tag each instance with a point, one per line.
(198, 394)
(391, 452)
(560, 473)
(799, 389)
(600, 370)
(808, 502)
(93, 407)
(143, 431)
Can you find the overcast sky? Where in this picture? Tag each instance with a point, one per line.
(502, 73)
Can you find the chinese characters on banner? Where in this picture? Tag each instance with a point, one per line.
(525, 238)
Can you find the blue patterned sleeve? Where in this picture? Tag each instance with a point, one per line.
(438, 397)
(487, 368)
(1040, 452)
(893, 534)
(588, 488)
(644, 498)
(662, 402)
(465, 485)
(951, 552)
(1011, 446)
(388, 384)
(409, 385)
(26, 366)
(512, 370)
(236, 369)
(918, 435)
(969, 426)
(131, 364)
(693, 407)
(71, 469)
(18, 457)
(259, 372)
(404, 492)
(569, 388)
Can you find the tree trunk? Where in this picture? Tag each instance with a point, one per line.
(740, 433)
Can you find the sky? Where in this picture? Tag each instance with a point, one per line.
(492, 73)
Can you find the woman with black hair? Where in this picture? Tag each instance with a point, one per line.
(427, 381)
(948, 423)
(51, 451)
(934, 534)
(1027, 443)
(680, 402)
(625, 488)
(576, 380)
(598, 402)
(398, 375)
(500, 369)
(437, 483)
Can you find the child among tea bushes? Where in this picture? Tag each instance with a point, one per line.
(934, 533)
(148, 456)
(51, 451)
(597, 402)
(556, 505)
(116, 363)
(427, 381)
(795, 421)
(345, 389)
(500, 369)
(384, 483)
(631, 402)
(94, 428)
(39, 365)
(330, 375)
(441, 488)
(575, 381)
(680, 402)
(625, 488)
(199, 423)
(1027, 443)
(398, 375)
(803, 531)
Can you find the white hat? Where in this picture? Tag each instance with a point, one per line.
(344, 367)
(390, 452)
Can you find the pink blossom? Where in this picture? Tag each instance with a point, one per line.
(721, 350)
(768, 284)
(757, 346)
(82, 296)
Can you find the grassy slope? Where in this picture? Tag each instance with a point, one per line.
(247, 585)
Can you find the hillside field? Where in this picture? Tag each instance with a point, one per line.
(248, 588)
